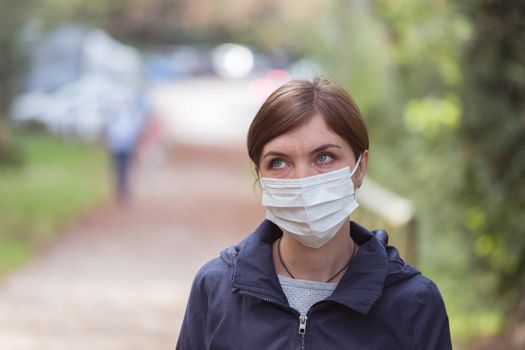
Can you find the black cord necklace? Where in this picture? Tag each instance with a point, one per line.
(331, 278)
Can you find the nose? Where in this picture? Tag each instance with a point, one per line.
(303, 170)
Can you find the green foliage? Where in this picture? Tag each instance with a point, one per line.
(13, 252)
(12, 18)
(426, 37)
(58, 181)
(430, 115)
(493, 134)
(95, 12)
(9, 154)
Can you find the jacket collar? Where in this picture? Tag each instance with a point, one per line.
(358, 289)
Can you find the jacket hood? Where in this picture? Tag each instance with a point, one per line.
(374, 267)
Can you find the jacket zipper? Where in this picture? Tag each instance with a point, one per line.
(268, 300)
(302, 318)
(302, 323)
(302, 328)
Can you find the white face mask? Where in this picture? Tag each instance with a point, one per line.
(311, 209)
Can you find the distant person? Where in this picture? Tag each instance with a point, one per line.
(123, 129)
(308, 277)
(153, 142)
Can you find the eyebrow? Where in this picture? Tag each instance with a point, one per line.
(316, 150)
(325, 147)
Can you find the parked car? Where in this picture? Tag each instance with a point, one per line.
(76, 74)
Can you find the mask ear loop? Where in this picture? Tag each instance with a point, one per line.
(260, 181)
(257, 180)
(357, 167)
(356, 164)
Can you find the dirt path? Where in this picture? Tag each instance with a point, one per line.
(119, 279)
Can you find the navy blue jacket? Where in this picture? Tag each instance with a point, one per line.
(236, 302)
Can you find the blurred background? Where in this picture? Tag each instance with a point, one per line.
(123, 165)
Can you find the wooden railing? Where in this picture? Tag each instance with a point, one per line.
(382, 208)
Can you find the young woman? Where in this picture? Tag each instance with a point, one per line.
(308, 277)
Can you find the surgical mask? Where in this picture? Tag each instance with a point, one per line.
(311, 209)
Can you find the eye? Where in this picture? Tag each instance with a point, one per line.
(277, 164)
(324, 158)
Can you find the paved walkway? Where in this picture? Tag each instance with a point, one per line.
(119, 279)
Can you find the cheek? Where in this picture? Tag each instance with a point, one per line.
(260, 171)
(266, 173)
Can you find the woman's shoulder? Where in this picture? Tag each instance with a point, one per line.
(421, 287)
(218, 268)
(409, 285)
(406, 280)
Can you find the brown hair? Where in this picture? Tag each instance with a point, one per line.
(296, 102)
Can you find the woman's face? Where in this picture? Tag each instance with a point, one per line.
(308, 150)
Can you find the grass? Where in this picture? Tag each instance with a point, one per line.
(58, 181)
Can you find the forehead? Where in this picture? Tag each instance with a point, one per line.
(312, 134)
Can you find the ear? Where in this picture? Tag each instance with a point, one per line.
(255, 170)
(256, 175)
(363, 165)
